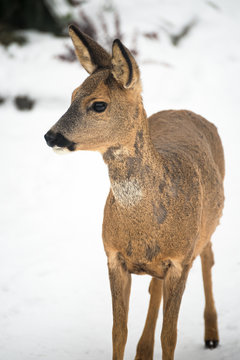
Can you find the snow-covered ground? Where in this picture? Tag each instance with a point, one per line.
(55, 301)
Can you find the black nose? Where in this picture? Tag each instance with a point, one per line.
(57, 139)
(50, 138)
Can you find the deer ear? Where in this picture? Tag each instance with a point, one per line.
(124, 66)
(90, 54)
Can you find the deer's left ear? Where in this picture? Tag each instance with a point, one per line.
(124, 66)
(90, 54)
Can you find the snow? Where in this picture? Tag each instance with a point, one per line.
(54, 292)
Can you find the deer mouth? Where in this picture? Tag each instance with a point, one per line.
(61, 150)
(59, 142)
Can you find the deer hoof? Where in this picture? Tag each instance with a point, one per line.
(211, 344)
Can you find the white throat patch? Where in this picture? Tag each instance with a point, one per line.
(127, 192)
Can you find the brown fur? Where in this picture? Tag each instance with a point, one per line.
(166, 195)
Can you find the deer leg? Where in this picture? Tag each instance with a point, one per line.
(120, 282)
(146, 342)
(210, 315)
(173, 288)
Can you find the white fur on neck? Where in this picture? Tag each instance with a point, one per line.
(118, 153)
(61, 150)
(127, 192)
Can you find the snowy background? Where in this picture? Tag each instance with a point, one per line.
(55, 301)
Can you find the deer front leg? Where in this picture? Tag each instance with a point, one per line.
(120, 282)
(146, 342)
(173, 288)
(210, 315)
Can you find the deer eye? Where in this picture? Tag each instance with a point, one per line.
(99, 106)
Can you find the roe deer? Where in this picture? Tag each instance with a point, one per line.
(166, 195)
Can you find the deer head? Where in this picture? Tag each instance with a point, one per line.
(103, 109)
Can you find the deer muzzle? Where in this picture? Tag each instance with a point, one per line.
(58, 140)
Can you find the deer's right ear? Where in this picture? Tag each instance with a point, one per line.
(90, 54)
(124, 66)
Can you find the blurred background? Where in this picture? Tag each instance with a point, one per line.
(55, 301)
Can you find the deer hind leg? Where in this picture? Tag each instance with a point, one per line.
(120, 282)
(210, 315)
(146, 342)
(173, 288)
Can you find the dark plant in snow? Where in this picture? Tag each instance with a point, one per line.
(24, 102)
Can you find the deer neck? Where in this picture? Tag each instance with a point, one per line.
(132, 167)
